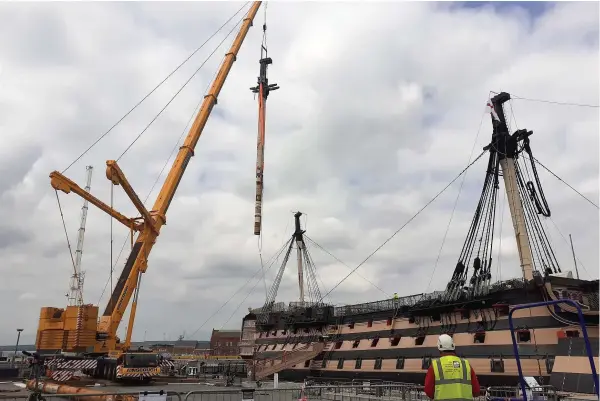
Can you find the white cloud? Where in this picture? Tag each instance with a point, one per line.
(378, 110)
(26, 296)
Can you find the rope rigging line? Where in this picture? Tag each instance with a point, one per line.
(315, 272)
(311, 276)
(241, 303)
(533, 206)
(554, 102)
(481, 227)
(153, 90)
(499, 265)
(180, 89)
(313, 242)
(538, 240)
(270, 302)
(66, 233)
(271, 262)
(262, 265)
(564, 182)
(566, 242)
(548, 170)
(437, 260)
(549, 101)
(408, 221)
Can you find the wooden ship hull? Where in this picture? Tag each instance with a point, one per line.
(395, 340)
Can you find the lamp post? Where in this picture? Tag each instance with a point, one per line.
(16, 346)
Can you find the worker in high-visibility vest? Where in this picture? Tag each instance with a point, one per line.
(450, 378)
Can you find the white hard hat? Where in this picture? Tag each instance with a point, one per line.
(445, 343)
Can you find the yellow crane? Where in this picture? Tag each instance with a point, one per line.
(84, 342)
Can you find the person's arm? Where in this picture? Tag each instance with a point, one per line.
(475, 384)
(430, 383)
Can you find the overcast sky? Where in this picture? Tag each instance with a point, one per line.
(379, 109)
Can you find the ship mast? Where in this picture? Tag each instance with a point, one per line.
(506, 146)
(76, 285)
(298, 236)
(307, 276)
(526, 202)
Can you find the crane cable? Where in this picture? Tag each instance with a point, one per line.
(195, 111)
(180, 89)
(152, 121)
(112, 196)
(65, 228)
(153, 90)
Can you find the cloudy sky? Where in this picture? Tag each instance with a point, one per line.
(379, 108)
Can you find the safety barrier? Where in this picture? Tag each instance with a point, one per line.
(398, 392)
(294, 392)
(150, 395)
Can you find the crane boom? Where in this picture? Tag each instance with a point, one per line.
(76, 287)
(76, 329)
(138, 258)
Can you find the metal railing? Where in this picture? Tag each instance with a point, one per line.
(97, 396)
(588, 346)
(355, 391)
(383, 305)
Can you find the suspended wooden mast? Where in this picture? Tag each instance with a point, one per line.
(148, 226)
(263, 88)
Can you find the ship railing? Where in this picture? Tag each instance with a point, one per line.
(412, 300)
(376, 306)
(291, 307)
(382, 305)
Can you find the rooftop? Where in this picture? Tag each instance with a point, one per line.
(176, 343)
(145, 344)
(226, 333)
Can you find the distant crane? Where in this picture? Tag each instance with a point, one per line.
(76, 286)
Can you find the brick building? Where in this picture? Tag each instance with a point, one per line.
(225, 342)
